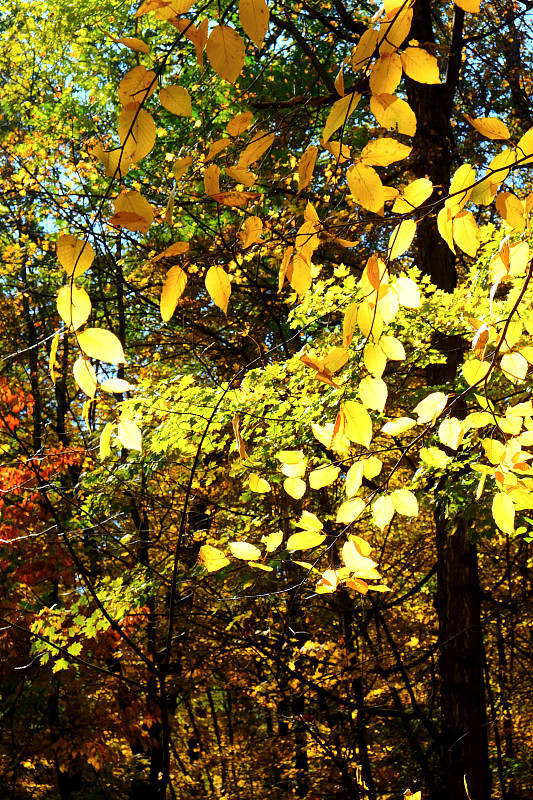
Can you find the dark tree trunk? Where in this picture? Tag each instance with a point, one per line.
(461, 663)
(464, 723)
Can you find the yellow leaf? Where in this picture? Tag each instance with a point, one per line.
(73, 305)
(416, 193)
(272, 541)
(472, 6)
(101, 345)
(245, 551)
(386, 74)
(254, 16)
(351, 510)
(524, 148)
(420, 65)
(393, 113)
(401, 238)
(175, 249)
(85, 376)
(451, 433)
(137, 131)
(324, 475)
(372, 466)
(212, 558)
(499, 167)
(475, 371)
(240, 123)
(258, 484)
(365, 48)
(173, 288)
(512, 210)
(180, 167)
(52, 358)
(132, 211)
(226, 52)
(366, 187)
(309, 522)
(116, 386)
(306, 167)
(129, 433)
(116, 162)
(460, 189)
(445, 227)
(134, 44)
(251, 231)
(503, 512)
(395, 28)
(171, 8)
(382, 511)
(295, 487)
(136, 86)
(514, 367)
(494, 450)
(369, 321)
(349, 323)
(405, 502)
(384, 151)
(398, 426)
(105, 441)
(305, 540)
(340, 111)
(434, 457)
(408, 292)
(328, 582)
(255, 149)
(177, 100)
(212, 179)
(392, 347)
(218, 285)
(428, 409)
(74, 255)
(466, 232)
(373, 393)
(299, 275)
(358, 423)
(354, 478)
(375, 359)
(491, 127)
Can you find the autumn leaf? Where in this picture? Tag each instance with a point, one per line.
(102, 345)
(226, 51)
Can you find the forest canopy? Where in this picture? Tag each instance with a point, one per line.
(266, 491)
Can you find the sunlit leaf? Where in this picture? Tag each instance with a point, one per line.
(177, 100)
(351, 510)
(218, 285)
(85, 376)
(129, 433)
(420, 65)
(74, 255)
(226, 52)
(324, 475)
(102, 345)
(244, 551)
(405, 502)
(358, 422)
(258, 484)
(393, 113)
(212, 558)
(491, 127)
(339, 113)
(173, 288)
(503, 512)
(305, 540)
(254, 16)
(73, 305)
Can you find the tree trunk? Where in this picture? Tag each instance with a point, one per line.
(464, 717)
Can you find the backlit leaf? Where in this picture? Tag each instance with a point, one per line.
(351, 510)
(405, 502)
(240, 123)
(295, 487)
(258, 484)
(306, 167)
(451, 433)
(398, 426)
(420, 65)
(244, 551)
(102, 345)
(366, 187)
(466, 232)
(503, 512)
(373, 393)
(105, 441)
(136, 86)
(218, 285)
(384, 151)
(305, 540)
(358, 422)
(514, 367)
(177, 100)
(73, 305)
(324, 475)
(132, 211)
(339, 113)
(173, 288)
(212, 558)
(416, 193)
(255, 149)
(74, 255)
(401, 238)
(491, 127)
(386, 74)
(428, 409)
(129, 433)
(116, 386)
(226, 52)
(85, 376)
(382, 511)
(254, 16)
(393, 113)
